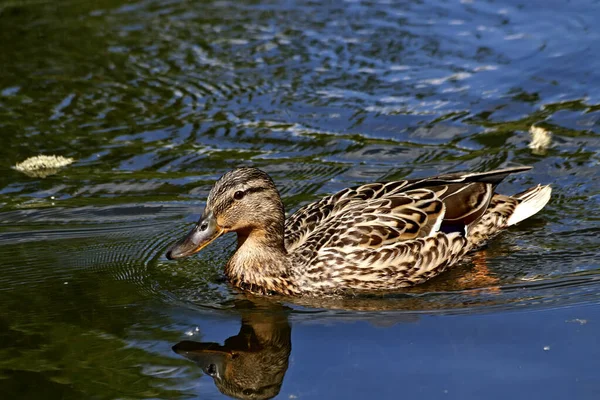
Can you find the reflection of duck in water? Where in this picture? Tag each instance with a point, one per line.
(251, 364)
(380, 236)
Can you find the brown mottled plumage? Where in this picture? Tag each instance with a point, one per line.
(379, 236)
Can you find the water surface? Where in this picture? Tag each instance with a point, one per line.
(156, 99)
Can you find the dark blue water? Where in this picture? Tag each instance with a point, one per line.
(156, 99)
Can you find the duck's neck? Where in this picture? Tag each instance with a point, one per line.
(261, 263)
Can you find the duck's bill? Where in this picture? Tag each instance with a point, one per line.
(211, 357)
(204, 232)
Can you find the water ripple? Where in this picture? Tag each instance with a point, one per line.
(167, 96)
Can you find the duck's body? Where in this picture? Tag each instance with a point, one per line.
(380, 236)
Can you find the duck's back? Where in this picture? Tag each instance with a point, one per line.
(399, 233)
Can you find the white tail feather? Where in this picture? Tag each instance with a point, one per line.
(532, 201)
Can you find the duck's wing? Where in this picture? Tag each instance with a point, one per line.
(386, 243)
(378, 222)
(304, 221)
(466, 196)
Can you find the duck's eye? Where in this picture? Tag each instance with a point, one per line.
(211, 369)
(204, 226)
(239, 195)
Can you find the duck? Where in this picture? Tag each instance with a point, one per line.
(375, 237)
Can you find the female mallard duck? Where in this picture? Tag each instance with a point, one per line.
(379, 236)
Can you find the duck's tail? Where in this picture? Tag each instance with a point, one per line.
(530, 203)
(505, 211)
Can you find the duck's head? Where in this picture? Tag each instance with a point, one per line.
(244, 200)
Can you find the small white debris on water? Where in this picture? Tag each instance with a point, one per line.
(65, 283)
(541, 139)
(578, 321)
(42, 166)
(43, 162)
(546, 348)
(532, 278)
(192, 332)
